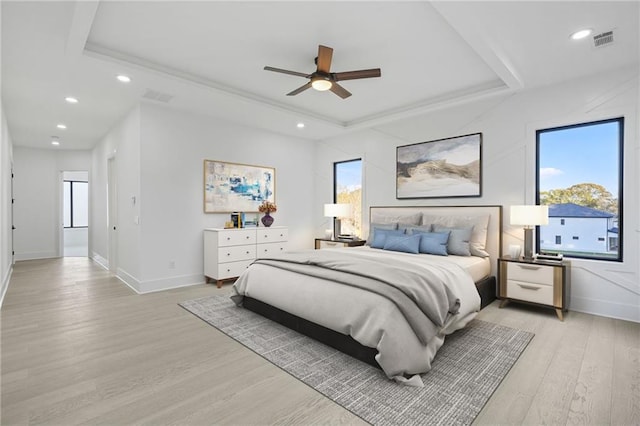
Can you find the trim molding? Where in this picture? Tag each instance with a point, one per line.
(100, 260)
(35, 255)
(5, 284)
(169, 283)
(603, 308)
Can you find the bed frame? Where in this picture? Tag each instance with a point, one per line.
(486, 287)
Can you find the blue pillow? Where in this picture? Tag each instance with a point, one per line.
(458, 240)
(380, 236)
(403, 243)
(434, 243)
(373, 226)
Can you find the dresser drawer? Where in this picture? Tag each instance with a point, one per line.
(236, 253)
(530, 292)
(270, 249)
(272, 235)
(539, 274)
(232, 269)
(331, 244)
(236, 238)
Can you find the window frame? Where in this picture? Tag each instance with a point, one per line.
(71, 201)
(620, 194)
(335, 183)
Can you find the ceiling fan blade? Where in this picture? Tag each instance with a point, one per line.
(299, 89)
(339, 90)
(299, 74)
(324, 58)
(352, 75)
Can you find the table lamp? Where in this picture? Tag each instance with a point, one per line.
(529, 216)
(336, 211)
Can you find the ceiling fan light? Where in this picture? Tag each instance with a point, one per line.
(320, 84)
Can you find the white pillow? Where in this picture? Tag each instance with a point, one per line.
(480, 224)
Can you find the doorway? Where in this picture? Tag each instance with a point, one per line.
(75, 213)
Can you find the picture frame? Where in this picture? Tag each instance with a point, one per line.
(442, 168)
(235, 187)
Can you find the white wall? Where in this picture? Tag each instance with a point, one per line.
(508, 125)
(164, 172)
(37, 193)
(123, 144)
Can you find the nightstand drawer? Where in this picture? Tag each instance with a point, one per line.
(539, 274)
(232, 269)
(236, 253)
(530, 292)
(332, 244)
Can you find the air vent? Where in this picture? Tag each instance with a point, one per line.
(157, 96)
(603, 39)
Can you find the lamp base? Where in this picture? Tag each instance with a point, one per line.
(337, 228)
(528, 244)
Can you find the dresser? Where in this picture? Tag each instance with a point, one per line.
(538, 282)
(228, 252)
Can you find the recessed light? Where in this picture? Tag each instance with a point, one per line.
(56, 143)
(581, 34)
(300, 125)
(123, 78)
(71, 100)
(61, 126)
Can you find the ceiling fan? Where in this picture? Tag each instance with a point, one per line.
(322, 79)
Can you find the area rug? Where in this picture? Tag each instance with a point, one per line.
(465, 373)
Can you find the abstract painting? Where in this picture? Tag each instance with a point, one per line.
(232, 187)
(449, 167)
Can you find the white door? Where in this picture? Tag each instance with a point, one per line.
(112, 209)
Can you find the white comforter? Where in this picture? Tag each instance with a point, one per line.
(369, 318)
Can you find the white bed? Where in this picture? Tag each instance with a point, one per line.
(369, 318)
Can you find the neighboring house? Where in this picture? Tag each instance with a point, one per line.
(579, 229)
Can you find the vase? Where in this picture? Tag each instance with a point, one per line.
(267, 220)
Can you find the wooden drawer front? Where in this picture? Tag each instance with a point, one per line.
(236, 253)
(232, 269)
(332, 244)
(272, 235)
(530, 292)
(539, 274)
(236, 238)
(270, 249)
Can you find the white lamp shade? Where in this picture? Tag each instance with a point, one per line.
(529, 215)
(337, 210)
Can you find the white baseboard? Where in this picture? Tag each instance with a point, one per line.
(35, 255)
(142, 287)
(627, 312)
(100, 260)
(5, 284)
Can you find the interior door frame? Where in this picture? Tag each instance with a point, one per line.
(112, 214)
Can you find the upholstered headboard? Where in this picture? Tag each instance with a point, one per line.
(494, 228)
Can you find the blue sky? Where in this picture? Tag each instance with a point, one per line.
(349, 174)
(587, 154)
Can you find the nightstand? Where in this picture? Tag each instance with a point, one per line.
(323, 243)
(537, 282)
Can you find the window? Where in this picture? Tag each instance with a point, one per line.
(347, 189)
(579, 176)
(76, 202)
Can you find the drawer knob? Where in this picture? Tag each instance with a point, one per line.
(228, 238)
(228, 254)
(247, 237)
(228, 270)
(247, 251)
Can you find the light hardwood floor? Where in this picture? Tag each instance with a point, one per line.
(80, 347)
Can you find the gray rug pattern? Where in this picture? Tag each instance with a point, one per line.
(465, 373)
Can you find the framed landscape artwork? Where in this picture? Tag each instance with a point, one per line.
(232, 187)
(442, 168)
